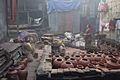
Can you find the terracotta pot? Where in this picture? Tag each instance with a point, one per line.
(112, 64)
(23, 74)
(57, 62)
(73, 61)
(77, 57)
(109, 57)
(84, 62)
(82, 54)
(102, 65)
(55, 56)
(118, 58)
(20, 67)
(89, 57)
(97, 57)
(80, 67)
(11, 75)
(24, 61)
(67, 64)
(67, 57)
(103, 55)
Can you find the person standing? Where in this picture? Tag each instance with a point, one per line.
(88, 37)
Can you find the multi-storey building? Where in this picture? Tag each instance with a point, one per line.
(113, 11)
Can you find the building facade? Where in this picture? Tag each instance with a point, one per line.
(113, 11)
(3, 23)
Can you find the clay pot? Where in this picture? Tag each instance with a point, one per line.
(97, 57)
(67, 64)
(11, 75)
(112, 64)
(80, 67)
(84, 62)
(103, 55)
(67, 57)
(20, 67)
(109, 57)
(102, 65)
(89, 57)
(73, 61)
(118, 60)
(23, 74)
(77, 57)
(24, 61)
(82, 54)
(55, 56)
(57, 62)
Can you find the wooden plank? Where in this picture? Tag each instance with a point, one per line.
(117, 70)
(73, 69)
(66, 70)
(60, 70)
(54, 71)
(80, 70)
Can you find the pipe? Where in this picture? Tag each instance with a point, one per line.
(14, 10)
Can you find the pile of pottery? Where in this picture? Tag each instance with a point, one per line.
(18, 70)
(81, 60)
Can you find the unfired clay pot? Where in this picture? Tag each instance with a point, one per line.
(67, 64)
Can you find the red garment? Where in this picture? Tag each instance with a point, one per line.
(88, 30)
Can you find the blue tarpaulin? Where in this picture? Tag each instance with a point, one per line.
(62, 5)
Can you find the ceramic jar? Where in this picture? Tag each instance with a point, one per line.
(80, 67)
(57, 62)
(112, 64)
(20, 67)
(23, 74)
(55, 56)
(73, 61)
(77, 57)
(82, 54)
(24, 61)
(84, 62)
(67, 64)
(109, 57)
(97, 57)
(89, 57)
(12, 75)
(67, 57)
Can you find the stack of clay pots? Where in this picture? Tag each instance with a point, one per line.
(82, 60)
(18, 70)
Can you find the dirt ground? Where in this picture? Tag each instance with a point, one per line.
(69, 51)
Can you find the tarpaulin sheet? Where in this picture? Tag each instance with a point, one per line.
(62, 5)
